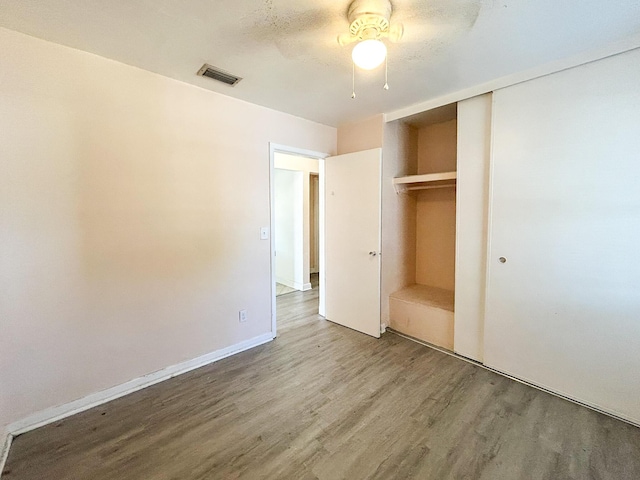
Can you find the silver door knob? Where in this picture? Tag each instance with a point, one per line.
(502, 260)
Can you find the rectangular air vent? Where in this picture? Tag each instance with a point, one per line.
(219, 75)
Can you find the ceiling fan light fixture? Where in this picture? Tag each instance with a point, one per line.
(369, 54)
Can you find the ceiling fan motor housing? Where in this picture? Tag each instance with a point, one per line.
(369, 19)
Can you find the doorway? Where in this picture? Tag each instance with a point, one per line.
(297, 213)
(349, 191)
(314, 223)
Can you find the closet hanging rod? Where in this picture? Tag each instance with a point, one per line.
(424, 181)
(405, 189)
(428, 187)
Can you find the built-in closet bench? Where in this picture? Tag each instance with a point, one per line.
(423, 312)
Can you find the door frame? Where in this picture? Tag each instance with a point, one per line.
(320, 156)
(314, 211)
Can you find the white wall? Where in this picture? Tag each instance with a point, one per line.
(306, 166)
(130, 221)
(289, 225)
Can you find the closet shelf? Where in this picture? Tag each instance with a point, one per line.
(423, 182)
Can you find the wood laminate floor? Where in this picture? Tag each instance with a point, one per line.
(325, 402)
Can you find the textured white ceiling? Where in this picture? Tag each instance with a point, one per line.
(287, 53)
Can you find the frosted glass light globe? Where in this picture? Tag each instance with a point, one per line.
(368, 54)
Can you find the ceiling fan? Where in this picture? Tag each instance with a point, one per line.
(369, 24)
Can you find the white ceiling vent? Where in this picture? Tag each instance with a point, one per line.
(219, 75)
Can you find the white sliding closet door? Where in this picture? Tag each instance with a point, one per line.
(563, 310)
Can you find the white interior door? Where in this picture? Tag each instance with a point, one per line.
(563, 305)
(352, 240)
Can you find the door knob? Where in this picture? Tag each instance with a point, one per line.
(373, 254)
(502, 260)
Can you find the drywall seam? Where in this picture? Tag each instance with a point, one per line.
(59, 412)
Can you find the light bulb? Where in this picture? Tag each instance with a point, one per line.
(368, 54)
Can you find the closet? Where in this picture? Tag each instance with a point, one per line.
(440, 266)
(424, 309)
(516, 216)
(563, 306)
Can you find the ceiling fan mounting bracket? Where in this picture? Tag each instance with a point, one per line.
(369, 19)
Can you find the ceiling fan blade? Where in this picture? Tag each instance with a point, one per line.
(346, 39)
(465, 11)
(395, 32)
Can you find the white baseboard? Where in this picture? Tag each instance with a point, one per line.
(54, 414)
(286, 282)
(292, 284)
(4, 450)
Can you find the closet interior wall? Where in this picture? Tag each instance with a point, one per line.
(436, 208)
(421, 304)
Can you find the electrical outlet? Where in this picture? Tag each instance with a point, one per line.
(242, 315)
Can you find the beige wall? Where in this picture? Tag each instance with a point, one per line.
(130, 221)
(364, 135)
(436, 209)
(436, 238)
(437, 147)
